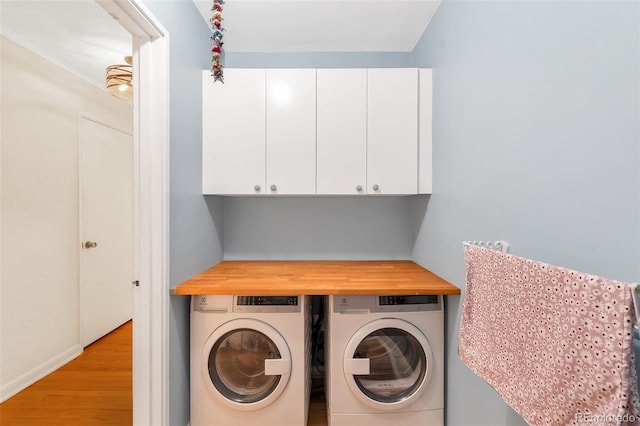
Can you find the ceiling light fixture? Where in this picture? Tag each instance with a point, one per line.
(118, 79)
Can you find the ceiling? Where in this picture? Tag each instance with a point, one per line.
(77, 35)
(322, 26)
(83, 38)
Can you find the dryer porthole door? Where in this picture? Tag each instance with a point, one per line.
(387, 363)
(246, 364)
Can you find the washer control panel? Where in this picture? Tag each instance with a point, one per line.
(224, 304)
(275, 304)
(267, 300)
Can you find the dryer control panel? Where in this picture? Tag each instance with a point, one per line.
(389, 303)
(408, 303)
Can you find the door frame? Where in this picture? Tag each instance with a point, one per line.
(150, 209)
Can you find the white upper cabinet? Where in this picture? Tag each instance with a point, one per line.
(392, 131)
(233, 120)
(325, 131)
(291, 131)
(342, 131)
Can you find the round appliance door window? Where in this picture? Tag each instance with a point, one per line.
(248, 366)
(388, 365)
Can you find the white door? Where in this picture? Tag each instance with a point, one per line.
(291, 131)
(342, 131)
(392, 131)
(106, 223)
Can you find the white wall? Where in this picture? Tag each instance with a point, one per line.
(39, 289)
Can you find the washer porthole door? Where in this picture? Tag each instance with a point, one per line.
(247, 364)
(387, 363)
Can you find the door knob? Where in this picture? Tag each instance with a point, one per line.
(90, 244)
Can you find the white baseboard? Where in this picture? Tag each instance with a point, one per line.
(27, 379)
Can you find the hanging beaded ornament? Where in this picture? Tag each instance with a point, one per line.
(216, 36)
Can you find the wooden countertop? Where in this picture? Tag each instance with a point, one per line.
(261, 277)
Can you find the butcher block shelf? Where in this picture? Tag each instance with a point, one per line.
(397, 277)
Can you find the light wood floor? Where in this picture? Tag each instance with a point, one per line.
(95, 390)
(317, 408)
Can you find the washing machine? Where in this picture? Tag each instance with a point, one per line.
(250, 360)
(384, 360)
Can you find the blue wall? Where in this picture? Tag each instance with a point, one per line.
(196, 227)
(354, 228)
(536, 142)
(195, 222)
(318, 227)
(319, 60)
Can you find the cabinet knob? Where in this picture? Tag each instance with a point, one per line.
(256, 188)
(375, 187)
(273, 187)
(90, 244)
(358, 188)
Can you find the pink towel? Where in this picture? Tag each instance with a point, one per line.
(556, 344)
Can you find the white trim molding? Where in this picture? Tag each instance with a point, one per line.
(7, 390)
(151, 210)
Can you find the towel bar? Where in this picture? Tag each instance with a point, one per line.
(634, 297)
(502, 246)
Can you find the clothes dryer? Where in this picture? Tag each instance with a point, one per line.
(384, 360)
(250, 360)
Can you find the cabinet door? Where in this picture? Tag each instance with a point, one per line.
(233, 147)
(291, 131)
(342, 131)
(392, 131)
(424, 144)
